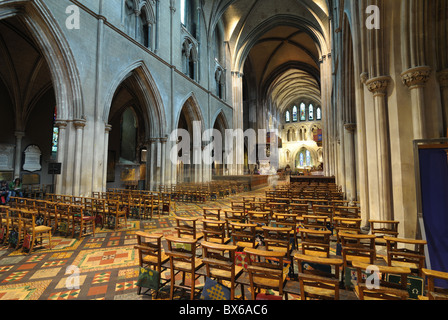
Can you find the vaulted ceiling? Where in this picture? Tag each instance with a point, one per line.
(283, 41)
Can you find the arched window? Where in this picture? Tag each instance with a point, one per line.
(294, 114)
(302, 112)
(301, 160)
(189, 58)
(319, 113)
(311, 113)
(288, 116)
(129, 127)
(308, 158)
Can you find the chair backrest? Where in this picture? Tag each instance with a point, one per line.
(214, 231)
(182, 253)
(259, 217)
(266, 270)
(211, 213)
(278, 239)
(358, 247)
(319, 283)
(219, 260)
(244, 232)
(382, 228)
(315, 242)
(434, 292)
(149, 246)
(315, 222)
(347, 212)
(406, 252)
(186, 227)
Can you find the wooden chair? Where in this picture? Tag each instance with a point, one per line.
(244, 235)
(315, 222)
(357, 247)
(434, 292)
(34, 230)
(260, 218)
(290, 221)
(318, 284)
(64, 218)
(215, 231)
(382, 290)
(381, 228)
(266, 271)
(324, 210)
(211, 213)
(399, 255)
(116, 216)
(187, 228)
(219, 260)
(84, 223)
(4, 224)
(165, 203)
(346, 225)
(315, 242)
(347, 212)
(151, 254)
(278, 239)
(182, 254)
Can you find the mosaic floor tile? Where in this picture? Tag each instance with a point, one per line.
(24, 291)
(15, 276)
(65, 295)
(102, 259)
(101, 278)
(45, 273)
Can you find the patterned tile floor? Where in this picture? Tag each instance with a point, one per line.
(103, 267)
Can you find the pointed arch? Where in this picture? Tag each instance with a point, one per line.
(155, 119)
(55, 48)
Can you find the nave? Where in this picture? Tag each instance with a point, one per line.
(105, 265)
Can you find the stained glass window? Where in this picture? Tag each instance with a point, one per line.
(308, 158)
(288, 116)
(55, 139)
(319, 114)
(302, 112)
(311, 113)
(294, 114)
(302, 160)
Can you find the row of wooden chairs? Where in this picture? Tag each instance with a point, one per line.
(265, 269)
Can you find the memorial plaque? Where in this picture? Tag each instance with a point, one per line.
(30, 179)
(7, 157)
(32, 159)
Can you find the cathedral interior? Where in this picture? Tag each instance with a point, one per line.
(132, 117)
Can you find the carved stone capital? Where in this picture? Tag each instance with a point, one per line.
(79, 123)
(350, 127)
(108, 128)
(378, 86)
(61, 124)
(416, 77)
(442, 77)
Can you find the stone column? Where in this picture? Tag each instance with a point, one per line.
(378, 86)
(415, 79)
(151, 163)
(442, 77)
(238, 150)
(79, 126)
(163, 141)
(350, 163)
(107, 131)
(62, 125)
(18, 158)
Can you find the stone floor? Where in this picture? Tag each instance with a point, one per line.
(103, 267)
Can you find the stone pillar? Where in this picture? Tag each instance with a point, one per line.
(378, 86)
(350, 163)
(163, 141)
(62, 125)
(107, 131)
(442, 77)
(79, 126)
(415, 79)
(238, 149)
(151, 163)
(18, 158)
